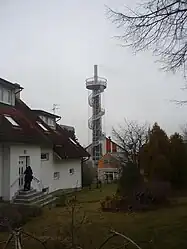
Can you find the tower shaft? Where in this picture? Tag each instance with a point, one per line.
(97, 85)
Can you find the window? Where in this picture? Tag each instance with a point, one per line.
(106, 161)
(43, 127)
(42, 118)
(1, 94)
(6, 96)
(45, 156)
(71, 171)
(9, 96)
(72, 141)
(56, 175)
(50, 122)
(11, 120)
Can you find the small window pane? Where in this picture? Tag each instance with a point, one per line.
(71, 171)
(72, 141)
(42, 126)
(12, 121)
(9, 97)
(56, 175)
(1, 94)
(45, 156)
(5, 96)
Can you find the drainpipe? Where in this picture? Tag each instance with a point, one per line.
(17, 93)
(83, 160)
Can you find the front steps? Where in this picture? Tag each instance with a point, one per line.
(32, 197)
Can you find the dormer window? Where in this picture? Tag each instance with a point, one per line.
(9, 91)
(11, 120)
(6, 96)
(49, 121)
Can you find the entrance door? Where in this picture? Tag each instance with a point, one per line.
(23, 162)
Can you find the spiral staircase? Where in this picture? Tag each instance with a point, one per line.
(97, 85)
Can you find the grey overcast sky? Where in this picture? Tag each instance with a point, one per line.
(50, 47)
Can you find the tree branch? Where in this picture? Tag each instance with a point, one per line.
(159, 25)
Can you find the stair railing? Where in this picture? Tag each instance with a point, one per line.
(39, 183)
(35, 179)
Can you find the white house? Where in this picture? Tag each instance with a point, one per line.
(33, 137)
(107, 145)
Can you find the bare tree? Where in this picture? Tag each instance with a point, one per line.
(160, 25)
(184, 132)
(131, 136)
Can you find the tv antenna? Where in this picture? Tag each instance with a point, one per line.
(55, 108)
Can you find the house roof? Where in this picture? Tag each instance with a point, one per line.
(105, 137)
(116, 155)
(42, 112)
(67, 127)
(25, 131)
(71, 143)
(31, 129)
(10, 85)
(64, 145)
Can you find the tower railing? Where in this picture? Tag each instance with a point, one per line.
(100, 81)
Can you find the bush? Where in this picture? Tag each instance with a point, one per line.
(160, 191)
(18, 215)
(89, 174)
(130, 180)
(150, 196)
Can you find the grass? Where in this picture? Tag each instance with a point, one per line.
(164, 228)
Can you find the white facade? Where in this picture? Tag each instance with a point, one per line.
(64, 174)
(5, 172)
(18, 156)
(48, 173)
(108, 174)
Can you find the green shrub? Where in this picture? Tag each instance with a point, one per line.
(130, 180)
(89, 173)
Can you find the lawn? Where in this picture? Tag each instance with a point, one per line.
(164, 229)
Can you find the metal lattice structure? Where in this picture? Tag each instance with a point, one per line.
(97, 85)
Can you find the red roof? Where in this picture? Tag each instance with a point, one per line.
(29, 130)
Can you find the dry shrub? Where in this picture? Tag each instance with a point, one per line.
(150, 196)
(160, 191)
(18, 215)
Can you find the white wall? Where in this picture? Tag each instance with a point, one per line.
(1, 169)
(34, 152)
(42, 169)
(48, 167)
(4, 172)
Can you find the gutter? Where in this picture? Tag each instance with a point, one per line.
(58, 119)
(83, 161)
(19, 91)
(86, 159)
